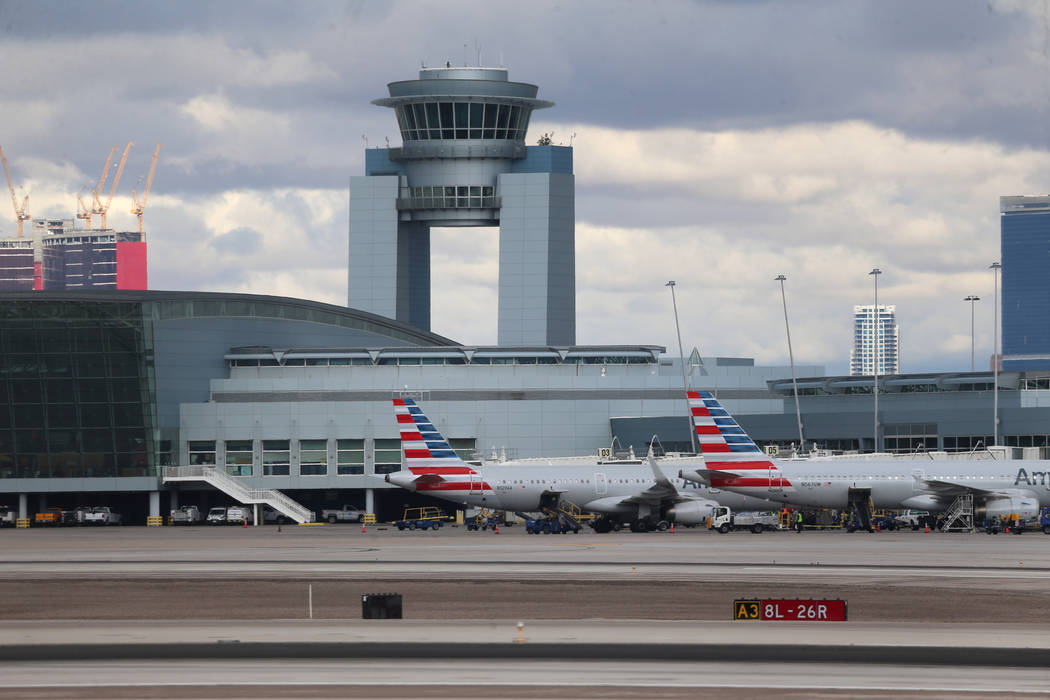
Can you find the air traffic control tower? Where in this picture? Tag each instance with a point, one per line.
(464, 162)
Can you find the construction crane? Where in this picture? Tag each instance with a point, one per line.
(140, 207)
(102, 210)
(83, 212)
(21, 213)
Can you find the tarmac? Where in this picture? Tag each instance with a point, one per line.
(952, 604)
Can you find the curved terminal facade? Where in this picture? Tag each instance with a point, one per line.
(464, 162)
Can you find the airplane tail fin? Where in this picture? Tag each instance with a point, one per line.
(717, 432)
(421, 443)
(731, 458)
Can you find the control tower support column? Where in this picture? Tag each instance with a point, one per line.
(537, 259)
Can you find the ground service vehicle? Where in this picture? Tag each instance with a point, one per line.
(346, 514)
(217, 516)
(914, 519)
(239, 515)
(8, 517)
(548, 526)
(1044, 521)
(725, 520)
(186, 515)
(102, 515)
(483, 522)
(51, 516)
(427, 517)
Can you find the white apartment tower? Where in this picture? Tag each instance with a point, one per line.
(866, 330)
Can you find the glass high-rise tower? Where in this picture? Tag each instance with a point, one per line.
(866, 328)
(1025, 227)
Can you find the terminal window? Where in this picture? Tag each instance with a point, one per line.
(202, 452)
(388, 455)
(350, 456)
(313, 457)
(239, 457)
(275, 457)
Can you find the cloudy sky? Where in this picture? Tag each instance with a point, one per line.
(716, 143)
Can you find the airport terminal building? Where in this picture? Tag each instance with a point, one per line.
(102, 389)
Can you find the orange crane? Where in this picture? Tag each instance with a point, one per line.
(102, 210)
(140, 207)
(83, 212)
(20, 212)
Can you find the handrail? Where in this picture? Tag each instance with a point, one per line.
(224, 482)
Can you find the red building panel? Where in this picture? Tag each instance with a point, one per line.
(131, 265)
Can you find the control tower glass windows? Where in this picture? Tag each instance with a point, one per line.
(423, 121)
(449, 197)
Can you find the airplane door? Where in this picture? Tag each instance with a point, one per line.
(776, 481)
(918, 480)
(476, 486)
(601, 485)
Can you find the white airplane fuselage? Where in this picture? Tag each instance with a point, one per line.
(920, 484)
(596, 487)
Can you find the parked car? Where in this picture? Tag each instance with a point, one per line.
(239, 515)
(217, 516)
(915, 519)
(186, 515)
(8, 517)
(346, 514)
(102, 515)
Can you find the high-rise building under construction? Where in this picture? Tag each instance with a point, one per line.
(60, 257)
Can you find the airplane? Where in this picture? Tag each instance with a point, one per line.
(733, 462)
(640, 495)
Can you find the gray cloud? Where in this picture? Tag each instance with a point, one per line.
(239, 241)
(262, 106)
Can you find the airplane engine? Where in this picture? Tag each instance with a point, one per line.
(1024, 507)
(691, 512)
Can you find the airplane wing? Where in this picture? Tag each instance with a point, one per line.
(662, 490)
(951, 489)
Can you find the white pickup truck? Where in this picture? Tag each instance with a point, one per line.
(346, 514)
(101, 515)
(725, 520)
(186, 515)
(8, 517)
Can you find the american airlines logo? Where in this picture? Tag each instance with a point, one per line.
(1037, 478)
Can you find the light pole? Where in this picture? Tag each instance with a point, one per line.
(875, 272)
(681, 361)
(791, 357)
(995, 267)
(971, 299)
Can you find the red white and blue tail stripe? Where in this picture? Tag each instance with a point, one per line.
(716, 430)
(421, 443)
(731, 458)
(429, 462)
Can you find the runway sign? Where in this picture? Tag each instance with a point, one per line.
(775, 609)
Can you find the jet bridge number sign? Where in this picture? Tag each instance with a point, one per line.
(775, 609)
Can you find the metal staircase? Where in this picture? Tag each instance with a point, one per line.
(235, 489)
(959, 515)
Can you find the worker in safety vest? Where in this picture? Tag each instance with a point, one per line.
(798, 521)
